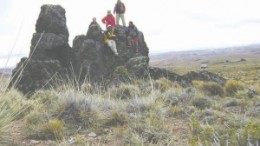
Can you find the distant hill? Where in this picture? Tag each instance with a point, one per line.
(6, 71)
(191, 60)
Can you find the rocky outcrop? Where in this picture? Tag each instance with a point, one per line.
(52, 20)
(205, 76)
(96, 60)
(50, 54)
(53, 62)
(89, 58)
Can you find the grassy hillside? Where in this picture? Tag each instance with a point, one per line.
(154, 112)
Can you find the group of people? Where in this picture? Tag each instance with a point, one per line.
(111, 23)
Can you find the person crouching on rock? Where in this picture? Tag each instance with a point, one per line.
(110, 38)
(132, 36)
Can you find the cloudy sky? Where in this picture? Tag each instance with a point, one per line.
(168, 25)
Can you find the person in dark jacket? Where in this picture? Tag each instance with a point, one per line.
(119, 9)
(95, 24)
(132, 36)
(109, 19)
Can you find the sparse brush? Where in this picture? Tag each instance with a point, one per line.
(151, 129)
(201, 103)
(197, 84)
(45, 97)
(117, 118)
(124, 91)
(54, 129)
(12, 107)
(144, 87)
(212, 89)
(121, 73)
(163, 84)
(232, 86)
(201, 134)
(252, 128)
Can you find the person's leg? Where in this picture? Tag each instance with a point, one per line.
(117, 19)
(136, 44)
(123, 19)
(129, 41)
(112, 45)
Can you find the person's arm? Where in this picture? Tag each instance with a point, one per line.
(104, 20)
(113, 21)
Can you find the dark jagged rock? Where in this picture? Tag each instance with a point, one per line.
(205, 76)
(96, 60)
(52, 20)
(138, 66)
(35, 74)
(156, 73)
(50, 54)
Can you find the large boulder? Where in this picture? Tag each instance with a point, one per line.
(31, 75)
(50, 54)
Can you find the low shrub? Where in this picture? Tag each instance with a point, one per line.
(124, 91)
(201, 103)
(163, 84)
(212, 89)
(121, 72)
(232, 86)
(53, 129)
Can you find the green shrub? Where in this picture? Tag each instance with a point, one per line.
(116, 118)
(125, 91)
(233, 86)
(212, 88)
(144, 87)
(54, 129)
(252, 128)
(201, 103)
(163, 84)
(197, 84)
(121, 72)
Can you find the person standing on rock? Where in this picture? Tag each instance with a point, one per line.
(109, 19)
(110, 39)
(132, 36)
(119, 9)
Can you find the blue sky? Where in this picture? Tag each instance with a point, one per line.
(168, 25)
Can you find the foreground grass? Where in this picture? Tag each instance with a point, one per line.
(140, 112)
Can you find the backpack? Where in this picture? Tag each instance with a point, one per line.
(120, 7)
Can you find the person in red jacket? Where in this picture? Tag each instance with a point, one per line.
(109, 19)
(119, 9)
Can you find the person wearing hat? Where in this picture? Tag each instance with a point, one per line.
(119, 9)
(132, 36)
(109, 19)
(110, 38)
